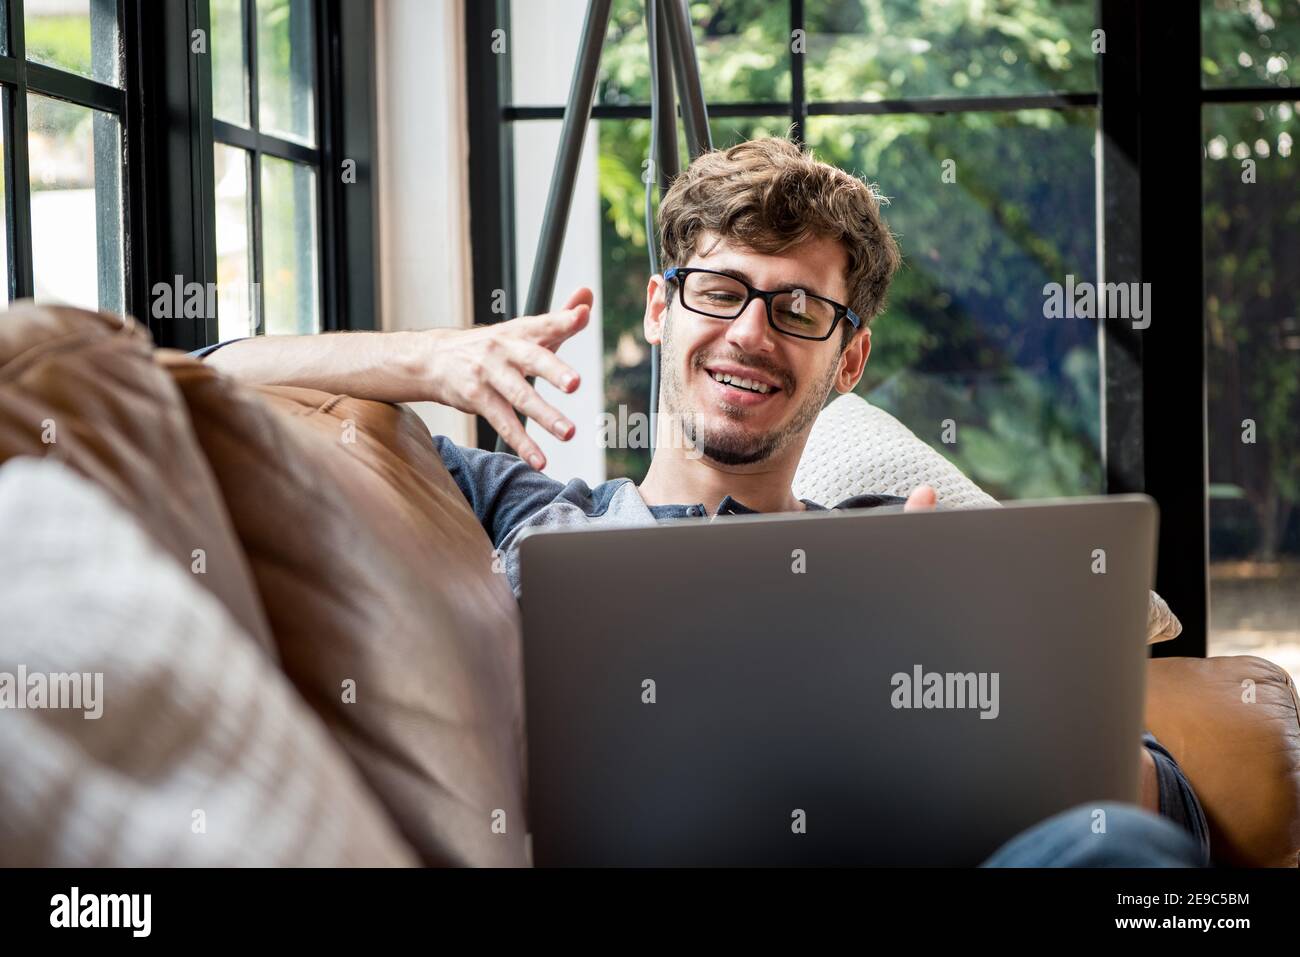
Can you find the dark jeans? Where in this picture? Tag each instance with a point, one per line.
(1127, 836)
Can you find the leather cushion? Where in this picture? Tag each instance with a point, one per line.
(1231, 723)
(86, 380)
(374, 570)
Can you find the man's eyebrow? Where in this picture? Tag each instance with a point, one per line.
(745, 277)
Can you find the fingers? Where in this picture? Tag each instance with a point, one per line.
(565, 328)
(502, 418)
(922, 497)
(514, 388)
(552, 328)
(537, 361)
(582, 296)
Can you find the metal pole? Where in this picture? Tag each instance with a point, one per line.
(695, 116)
(663, 117)
(666, 118)
(577, 113)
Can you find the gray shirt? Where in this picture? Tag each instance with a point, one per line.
(511, 499)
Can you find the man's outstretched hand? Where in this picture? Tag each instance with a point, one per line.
(484, 371)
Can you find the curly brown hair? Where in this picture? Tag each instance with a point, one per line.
(768, 195)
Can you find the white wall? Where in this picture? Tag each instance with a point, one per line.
(423, 177)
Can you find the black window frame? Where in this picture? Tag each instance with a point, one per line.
(171, 200)
(1149, 230)
(164, 107)
(20, 77)
(256, 144)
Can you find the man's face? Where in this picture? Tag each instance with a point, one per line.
(735, 426)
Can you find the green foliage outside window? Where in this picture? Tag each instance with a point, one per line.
(964, 336)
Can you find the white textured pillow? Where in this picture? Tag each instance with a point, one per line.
(856, 448)
(193, 714)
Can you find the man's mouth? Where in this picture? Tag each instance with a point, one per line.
(741, 385)
(739, 382)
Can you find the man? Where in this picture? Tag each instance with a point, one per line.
(776, 264)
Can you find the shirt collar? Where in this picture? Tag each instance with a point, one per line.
(728, 506)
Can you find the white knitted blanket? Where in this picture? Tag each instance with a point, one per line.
(201, 753)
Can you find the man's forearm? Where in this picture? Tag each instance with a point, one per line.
(387, 366)
(483, 370)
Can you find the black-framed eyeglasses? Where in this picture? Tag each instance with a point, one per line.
(792, 312)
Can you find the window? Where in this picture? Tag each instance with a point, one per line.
(266, 166)
(1008, 103)
(1252, 316)
(156, 149)
(64, 105)
(1069, 132)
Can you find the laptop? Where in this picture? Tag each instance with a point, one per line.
(832, 688)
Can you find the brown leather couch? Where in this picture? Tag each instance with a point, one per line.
(342, 548)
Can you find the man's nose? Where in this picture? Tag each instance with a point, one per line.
(749, 331)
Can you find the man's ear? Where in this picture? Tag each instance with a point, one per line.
(656, 306)
(853, 360)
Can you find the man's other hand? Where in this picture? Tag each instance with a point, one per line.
(922, 498)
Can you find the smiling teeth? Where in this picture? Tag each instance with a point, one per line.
(741, 383)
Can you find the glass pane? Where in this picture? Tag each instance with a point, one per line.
(990, 209)
(1250, 43)
(229, 62)
(289, 243)
(75, 35)
(541, 63)
(729, 130)
(236, 298)
(742, 46)
(859, 50)
(75, 155)
(285, 45)
(1252, 315)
